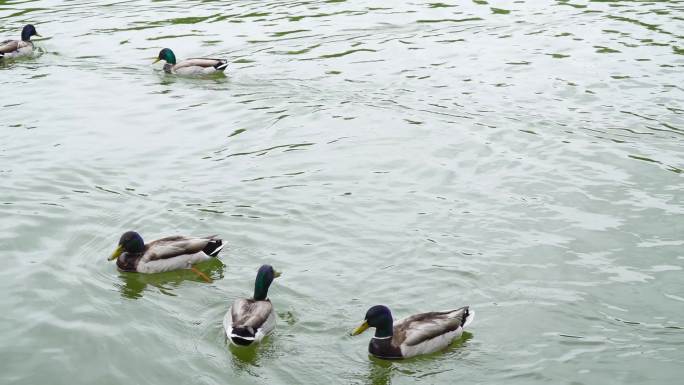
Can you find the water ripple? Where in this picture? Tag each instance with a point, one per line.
(521, 157)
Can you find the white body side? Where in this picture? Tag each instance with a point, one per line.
(197, 67)
(25, 49)
(194, 71)
(437, 343)
(432, 345)
(175, 263)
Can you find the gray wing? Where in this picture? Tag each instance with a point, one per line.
(199, 62)
(174, 246)
(250, 313)
(9, 46)
(422, 327)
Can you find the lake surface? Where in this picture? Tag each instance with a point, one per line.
(522, 157)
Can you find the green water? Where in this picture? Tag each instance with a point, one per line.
(521, 157)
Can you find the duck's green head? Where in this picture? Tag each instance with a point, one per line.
(28, 31)
(130, 242)
(378, 317)
(264, 277)
(167, 55)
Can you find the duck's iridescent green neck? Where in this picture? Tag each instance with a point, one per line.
(28, 31)
(132, 242)
(261, 285)
(380, 318)
(385, 329)
(168, 56)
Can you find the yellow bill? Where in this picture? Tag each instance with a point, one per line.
(362, 328)
(276, 274)
(156, 60)
(116, 253)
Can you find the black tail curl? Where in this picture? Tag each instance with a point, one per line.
(465, 315)
(221, 65)
(242, 336)
(213, 247)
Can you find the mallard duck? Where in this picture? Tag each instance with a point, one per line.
(418, 334)
(199, 66)
(18, 48)
(249, 320)
(165, 254)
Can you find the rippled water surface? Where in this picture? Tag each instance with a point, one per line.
(523, 157)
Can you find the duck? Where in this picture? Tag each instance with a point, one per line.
(176, 252)
(190, 67)
(415, 335)
(18, 48)
(249, 320)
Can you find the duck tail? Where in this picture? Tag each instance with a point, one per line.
(468, 317)
(213, 247)
(221, 65)
(241, 335)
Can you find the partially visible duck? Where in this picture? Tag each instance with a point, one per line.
(418, 334)
(18, 48)
(249, 320)
(165, 254)
(190, 67)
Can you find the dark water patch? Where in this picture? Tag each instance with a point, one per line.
(500, 11)
(284, 33)
(345, 53)
(171, 36)
(433, 21)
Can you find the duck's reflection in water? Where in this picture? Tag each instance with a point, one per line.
(247, 359)
(134, 284)
(379, 372)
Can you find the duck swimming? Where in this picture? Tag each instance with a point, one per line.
(18, 48)
(415, 335)
(190, 67)
(165, 254)
(249, 320)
